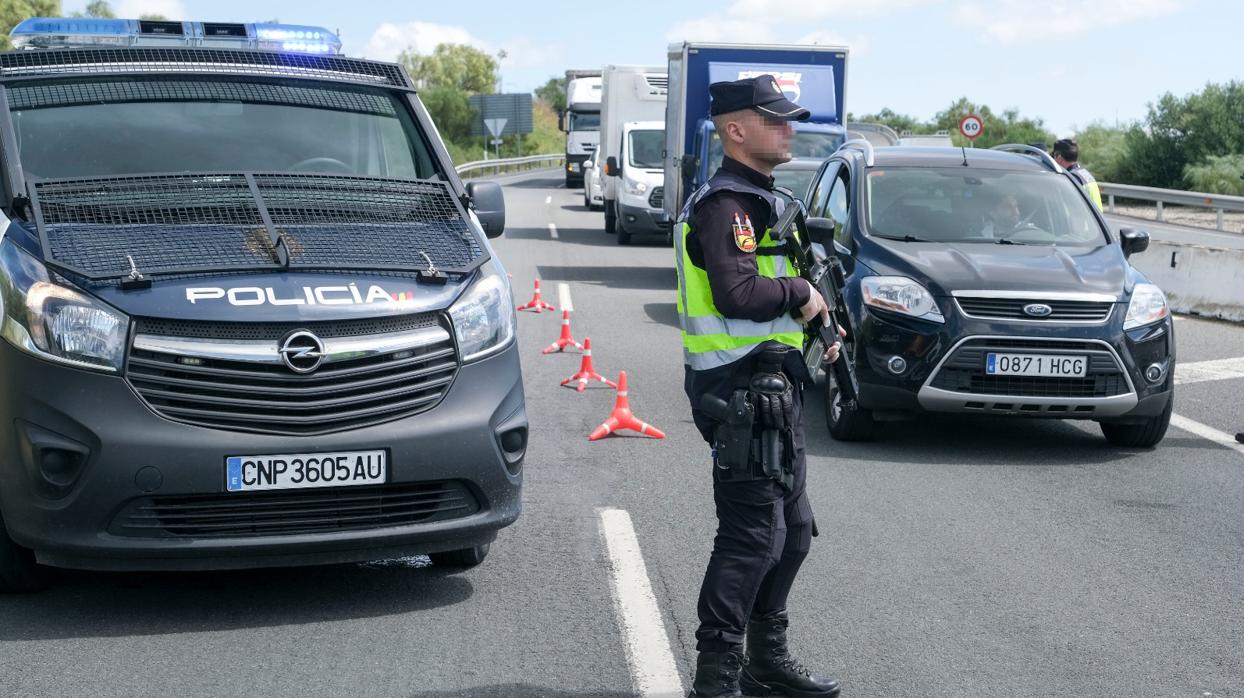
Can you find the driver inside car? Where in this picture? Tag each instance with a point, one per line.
(1003, 218)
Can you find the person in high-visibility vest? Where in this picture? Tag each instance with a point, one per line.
(1067, 153)
(741, 305)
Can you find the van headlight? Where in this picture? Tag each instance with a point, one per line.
(900, 294)
(484, 317)
(635, 188)
(56, 322)
(1148, 305)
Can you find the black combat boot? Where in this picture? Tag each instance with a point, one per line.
(717, 675)
(770, 670)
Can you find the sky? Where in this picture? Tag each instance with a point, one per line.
(1069, 63)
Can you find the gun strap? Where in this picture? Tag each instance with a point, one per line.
(778, 250)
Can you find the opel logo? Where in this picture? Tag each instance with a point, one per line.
(301, 351)
(1038, 310)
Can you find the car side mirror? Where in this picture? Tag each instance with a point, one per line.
(690, 164)
(1133, 241)
(489, 205)
(611, 166)
(821, 230)
(842, 250)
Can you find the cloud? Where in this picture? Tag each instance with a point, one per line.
(786, 11)
(1023, 21)
(391, 38)
(767, 21)
(172, 9)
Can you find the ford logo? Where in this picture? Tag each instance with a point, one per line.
(1038, 310)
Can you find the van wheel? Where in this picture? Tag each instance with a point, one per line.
(18, 570)
(846, 422)
(624, 236)
(465, 558)
(611, 220)
(1145, 435)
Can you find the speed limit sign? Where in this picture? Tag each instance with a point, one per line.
(971, 126)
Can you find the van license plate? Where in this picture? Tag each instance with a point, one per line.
(1040, 365)
(302, 470)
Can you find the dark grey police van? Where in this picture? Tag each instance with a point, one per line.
(251, 316)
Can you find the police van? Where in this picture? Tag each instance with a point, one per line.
(251, 315)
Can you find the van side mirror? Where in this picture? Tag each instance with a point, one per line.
(611, 166)
(489, 205)
(690, 164)
(1133, 241)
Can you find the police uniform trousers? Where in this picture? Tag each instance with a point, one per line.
(764, 533)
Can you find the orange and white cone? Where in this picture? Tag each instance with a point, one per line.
(622, 418)
(586, 372)
(565, 339)
(536, 304)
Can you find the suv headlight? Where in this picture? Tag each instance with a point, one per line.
(1148, 305)
(900, 295)
(484, 317)
(56, 322)
(635, 188)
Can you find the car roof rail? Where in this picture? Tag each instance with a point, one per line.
(1025, 149)
(863, 146)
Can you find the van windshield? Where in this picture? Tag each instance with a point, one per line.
(978, 206)
(804, 144)
(645, 149)
(145, 127)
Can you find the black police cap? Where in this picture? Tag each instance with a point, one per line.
(760, 93)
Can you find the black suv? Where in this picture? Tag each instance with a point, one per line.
(985, 282)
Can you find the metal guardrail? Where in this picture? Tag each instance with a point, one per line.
(1216, 202)
(496, 166)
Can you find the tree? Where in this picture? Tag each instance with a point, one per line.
(1219, 174)
(1007, 127)
(1102, 150)
(553, 93)
(12, 12)
(101, 9)
(1182, 132)
(450, 109)
(896, 121)
(458, 66)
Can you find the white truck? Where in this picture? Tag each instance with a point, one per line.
(580, 121)
(632, 133)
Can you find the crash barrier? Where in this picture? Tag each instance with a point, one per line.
(530, 162)
(1215, 202)
(620, 418)
(1197, 279)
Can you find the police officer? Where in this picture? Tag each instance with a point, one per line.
(742, 305)
(1067, 154)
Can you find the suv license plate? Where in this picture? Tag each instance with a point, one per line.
(302, 470)
(1041, 365)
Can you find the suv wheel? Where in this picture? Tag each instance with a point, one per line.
(18, 570)
(468, 557)
(611, 220)
(845, 423)
(1145, 435)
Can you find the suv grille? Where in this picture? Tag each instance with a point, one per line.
(268, 398)
(294, 511)
(964, 371)
(657, 197)
(1013, 309)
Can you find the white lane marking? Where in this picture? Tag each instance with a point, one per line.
(563, 297)
(553, 230)
(548, 199)
(647, 645)
(1204, 431)
(1216, 370)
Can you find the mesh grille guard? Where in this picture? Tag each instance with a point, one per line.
(134, 60)
(179, 224)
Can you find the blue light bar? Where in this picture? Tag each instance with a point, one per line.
(75, 32)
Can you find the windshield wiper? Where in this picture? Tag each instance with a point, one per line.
(905, 238)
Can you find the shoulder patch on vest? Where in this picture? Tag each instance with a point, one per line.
(744, 233)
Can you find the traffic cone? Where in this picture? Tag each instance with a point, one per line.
(621, 417)
(536, 304)
(564, 340)
(586, 372)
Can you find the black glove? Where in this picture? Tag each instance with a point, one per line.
(775, 401)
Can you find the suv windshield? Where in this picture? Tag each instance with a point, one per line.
(978, 206)
(814, 145)
(144, 127)
(645, 149)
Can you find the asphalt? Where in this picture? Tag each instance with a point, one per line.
(956, 557)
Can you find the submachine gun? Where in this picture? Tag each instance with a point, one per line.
(824, 271)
